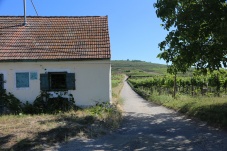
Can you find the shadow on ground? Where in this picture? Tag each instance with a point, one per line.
(158, 132)
(215, 114)
(5, 139)
(69, 127)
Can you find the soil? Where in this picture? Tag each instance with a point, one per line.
(147, 126)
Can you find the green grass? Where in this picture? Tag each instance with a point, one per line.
(210, 109)
(117, 83)
(116, 79)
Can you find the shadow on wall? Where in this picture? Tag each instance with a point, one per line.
(158, 132)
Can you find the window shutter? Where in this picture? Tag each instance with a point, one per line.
(1, 89)
(44, 82)
(70, 80)
(1, 81)
(22, 80)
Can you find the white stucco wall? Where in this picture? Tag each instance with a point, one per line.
(93, 79)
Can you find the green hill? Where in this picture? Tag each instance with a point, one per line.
(137, 67)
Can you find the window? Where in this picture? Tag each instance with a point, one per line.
(22, 80)
(56, 81)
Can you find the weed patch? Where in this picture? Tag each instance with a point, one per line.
(36, 132)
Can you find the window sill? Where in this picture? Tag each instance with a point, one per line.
(26, 88)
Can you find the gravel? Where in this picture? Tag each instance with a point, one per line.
(147, 126)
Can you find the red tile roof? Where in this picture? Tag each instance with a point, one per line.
(51, 38)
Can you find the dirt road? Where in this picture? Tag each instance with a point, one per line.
(147, 126)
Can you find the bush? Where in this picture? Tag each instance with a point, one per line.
(10, 102)
(28, 108)
(44, 104)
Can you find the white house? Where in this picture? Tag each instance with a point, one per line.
(60, 55)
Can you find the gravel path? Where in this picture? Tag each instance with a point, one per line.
(147, 126)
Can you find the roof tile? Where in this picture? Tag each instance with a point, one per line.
(48, 38)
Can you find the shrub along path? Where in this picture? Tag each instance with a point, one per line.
(147, 126)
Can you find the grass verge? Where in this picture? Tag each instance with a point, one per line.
(117, 84)
(210, 109)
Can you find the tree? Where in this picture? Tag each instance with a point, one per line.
(197, 34)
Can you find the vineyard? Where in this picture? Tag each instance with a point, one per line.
(212, 84)
(200, 96)
(194, 94)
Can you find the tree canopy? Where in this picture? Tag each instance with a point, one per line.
(197, 33)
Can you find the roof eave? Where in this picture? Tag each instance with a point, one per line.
(51, 60)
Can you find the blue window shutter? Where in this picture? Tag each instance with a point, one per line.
(70, 80)
(22, 80)
(44, 82)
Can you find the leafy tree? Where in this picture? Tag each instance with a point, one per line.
(197, 34)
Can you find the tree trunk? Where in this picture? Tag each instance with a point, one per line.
(192, 90)
(218, 86)
(175, 86)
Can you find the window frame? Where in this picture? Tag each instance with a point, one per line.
(45, 81)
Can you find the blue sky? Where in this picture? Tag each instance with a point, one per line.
(135, 30)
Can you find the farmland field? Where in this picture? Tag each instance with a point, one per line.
(137, 67)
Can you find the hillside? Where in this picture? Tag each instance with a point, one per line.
(137, 67)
